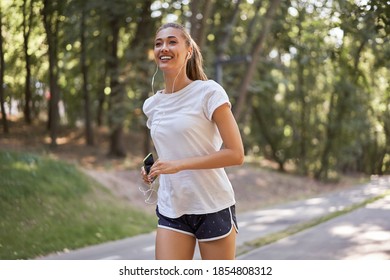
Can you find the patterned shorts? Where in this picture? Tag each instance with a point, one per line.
(204, 227)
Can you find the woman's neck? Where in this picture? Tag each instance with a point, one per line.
(175, 82)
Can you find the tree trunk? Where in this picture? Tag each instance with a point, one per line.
(322, 172)
(256, 53)
(339, 108)
(224, 42)
(2, 65)
(101, 88)
(51, 23)
(267, 135)
(386, 128)
(27, 25)
(84, 69)
(117, 147)
(200, 13)
(140, 46)
(300, 89)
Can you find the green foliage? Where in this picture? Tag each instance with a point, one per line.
(321, 85)
(48, 206)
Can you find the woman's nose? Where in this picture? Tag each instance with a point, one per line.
(164, 47)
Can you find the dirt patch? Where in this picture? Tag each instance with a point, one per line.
(255, 188)
(124, 184)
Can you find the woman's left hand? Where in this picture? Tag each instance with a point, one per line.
(163, 167)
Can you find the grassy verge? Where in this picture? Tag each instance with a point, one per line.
(274, 237)
(48, 205)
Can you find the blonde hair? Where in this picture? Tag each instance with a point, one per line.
(194, 67)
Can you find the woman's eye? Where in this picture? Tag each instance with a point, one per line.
(172, 42)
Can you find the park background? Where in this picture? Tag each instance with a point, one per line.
(308, 81)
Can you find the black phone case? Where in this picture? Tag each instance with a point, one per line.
(148, 162)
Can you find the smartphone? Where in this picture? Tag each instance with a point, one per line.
(148, 162)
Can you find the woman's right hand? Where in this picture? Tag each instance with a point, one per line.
(145, 176)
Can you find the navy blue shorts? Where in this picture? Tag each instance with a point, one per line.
(204, 227)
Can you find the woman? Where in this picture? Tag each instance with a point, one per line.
(189, 120)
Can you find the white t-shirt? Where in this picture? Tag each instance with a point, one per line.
(181, 127)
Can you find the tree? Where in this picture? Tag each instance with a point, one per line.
(224, 38)
(140, 46)
(255, 55)
(348, 115)
(85, 72)
(27, 26)
(200, 13)
(52, 12)
(2, 65)
(117, 147)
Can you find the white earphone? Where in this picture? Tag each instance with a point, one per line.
(189, 55)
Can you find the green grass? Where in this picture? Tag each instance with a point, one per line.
(47, 206)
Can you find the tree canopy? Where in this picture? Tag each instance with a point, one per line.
(308, 79)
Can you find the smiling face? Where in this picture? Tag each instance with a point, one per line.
(170, 49)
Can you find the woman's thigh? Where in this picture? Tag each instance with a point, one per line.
(221, 249)
(173, 245)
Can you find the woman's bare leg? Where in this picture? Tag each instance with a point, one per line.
(173, 245)
(221, 249)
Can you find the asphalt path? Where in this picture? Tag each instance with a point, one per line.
(360, 234)
(363, 234)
